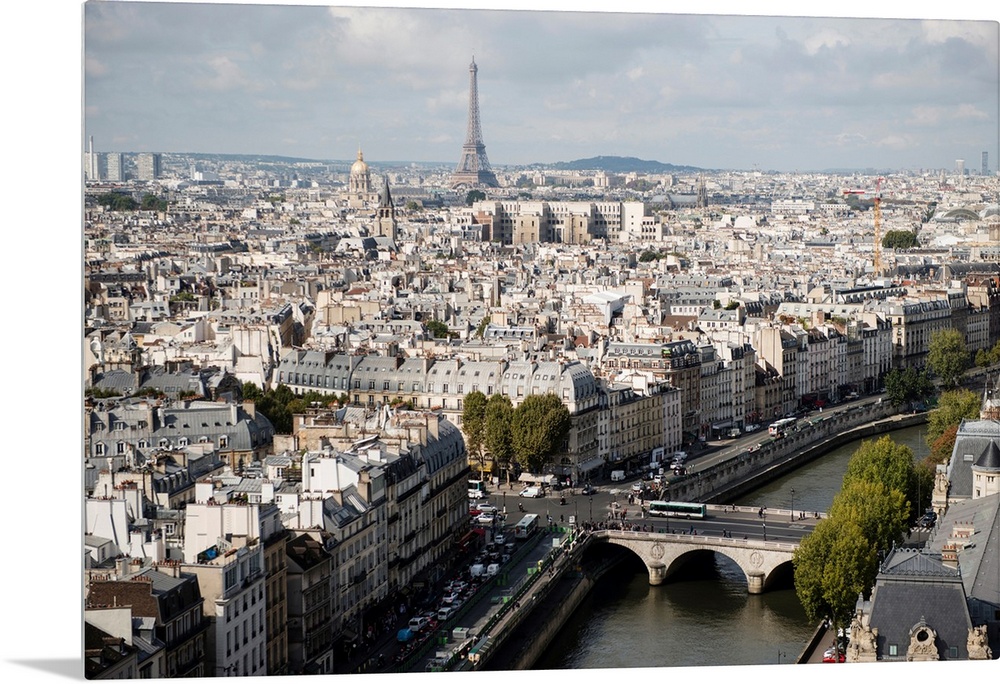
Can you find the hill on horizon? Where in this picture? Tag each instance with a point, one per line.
(621, 165)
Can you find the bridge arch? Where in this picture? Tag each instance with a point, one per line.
(761, 562)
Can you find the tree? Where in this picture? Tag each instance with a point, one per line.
(538, 429)
(942, 447)
(474, 196)
(832, 566)
(481, 328)
(952, 408)
(947, 356)
(880, 460)
(117, 201)
(474, 426)
(900, 239)
(439, 330)
(882, 513)
(498, 415)
(904, 386)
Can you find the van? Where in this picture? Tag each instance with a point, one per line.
(617, 475)
(445, 613)
(492, 569)
(477, 570)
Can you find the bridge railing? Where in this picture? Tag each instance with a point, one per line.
(663, 535)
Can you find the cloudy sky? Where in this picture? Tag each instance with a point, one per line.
(706, 90)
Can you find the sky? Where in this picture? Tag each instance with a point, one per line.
(712, 91)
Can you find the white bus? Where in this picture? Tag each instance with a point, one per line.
(525, 526)
(779, 427)
(477, 489)
(676, 509)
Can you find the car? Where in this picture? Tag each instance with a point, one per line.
(588, 489)
(637, 488)
(927, 519)
(476, 494)
(530, 492)
(500, 539)
(450, 597)
(418, 623)
(492, 569)
(487, 508)
(831, 656)
(485, 518)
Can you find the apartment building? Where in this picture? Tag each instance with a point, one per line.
(168, 607)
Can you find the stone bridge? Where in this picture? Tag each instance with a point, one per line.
(663, 553)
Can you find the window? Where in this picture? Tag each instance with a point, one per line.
(99, 449)
(223, 441)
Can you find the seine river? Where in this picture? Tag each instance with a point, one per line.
(707, 618)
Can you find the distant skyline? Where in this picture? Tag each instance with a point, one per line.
(781, 93)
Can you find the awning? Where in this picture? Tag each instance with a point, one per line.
(530, 477)
(592, 464)
(723, 425)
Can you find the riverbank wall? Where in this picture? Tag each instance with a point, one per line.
(774, 456)
(798, 457)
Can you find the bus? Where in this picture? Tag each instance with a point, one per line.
(677, 509)
(779, 427)
(525, 526)
(477, 489)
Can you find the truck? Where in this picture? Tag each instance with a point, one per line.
(617, 475)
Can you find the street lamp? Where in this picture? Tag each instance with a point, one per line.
(764, 526)
(793, 504)
(591, 508)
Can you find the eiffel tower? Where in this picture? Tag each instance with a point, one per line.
(473, 168)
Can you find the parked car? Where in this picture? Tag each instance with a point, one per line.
(752, 427)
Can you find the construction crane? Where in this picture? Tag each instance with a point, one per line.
(877, 197)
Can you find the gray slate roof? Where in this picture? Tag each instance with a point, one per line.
(914, 587)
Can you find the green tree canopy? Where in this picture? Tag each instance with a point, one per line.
(474, 196)
(882, 513)
(117, 201)
(498, 414)
(904, 386)
(439, 330)
(951, 408)
(900, 239)
(947, 356)
(831, 568)
(539, 428)
(890, 464)
(474, 426)
(880, 460)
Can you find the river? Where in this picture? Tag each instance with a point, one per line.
(705, 617)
